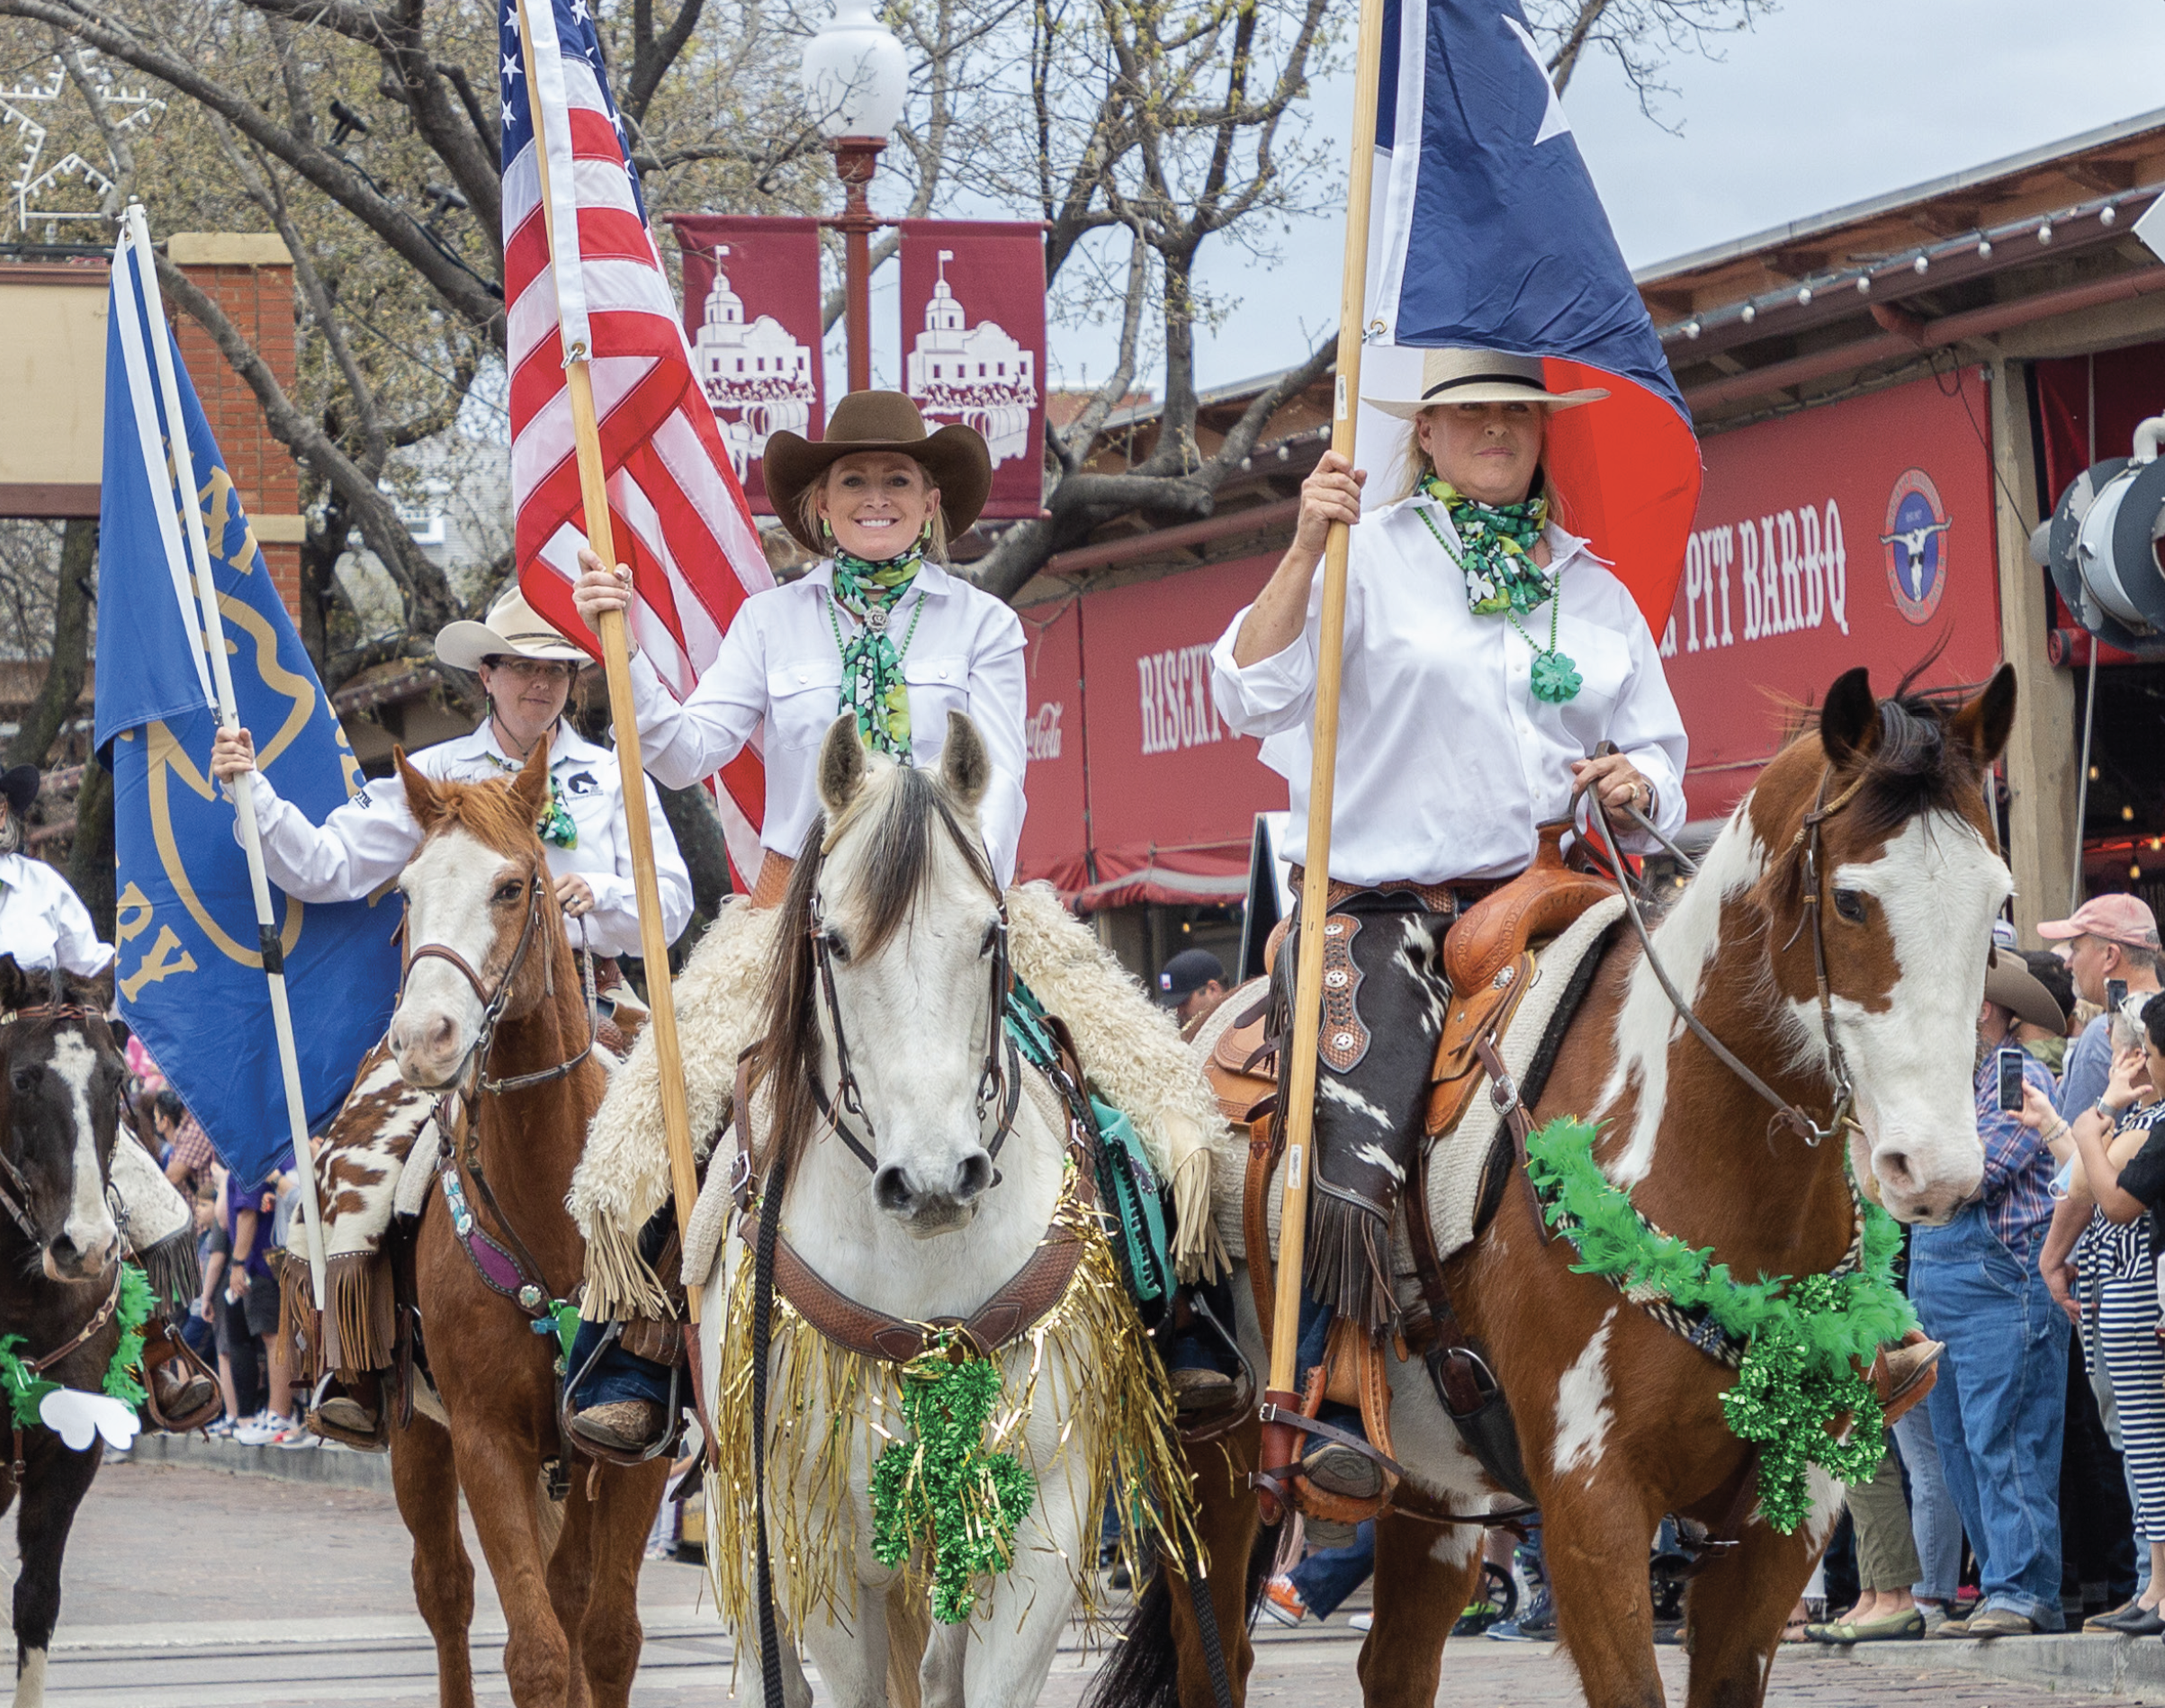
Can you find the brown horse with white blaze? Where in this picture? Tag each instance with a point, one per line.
(1619, 1419)
(492, 993)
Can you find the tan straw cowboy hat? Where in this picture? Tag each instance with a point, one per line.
(1482, 376)
(954, 459)
(512, 630)
(2014, 987)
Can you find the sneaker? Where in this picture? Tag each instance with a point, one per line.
(292, 1434)
(220, 1429)
(256, 1431)
(1282, 1602)
(1537, 1624)
(1479, 1616)
(1362, 1622)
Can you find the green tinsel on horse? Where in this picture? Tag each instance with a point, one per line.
(1806, 1343)
(26, 1389)
(941, 1490)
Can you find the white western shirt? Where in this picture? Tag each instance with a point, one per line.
(780, 664)
(43, 922)
(365, 844)
(1446, 762)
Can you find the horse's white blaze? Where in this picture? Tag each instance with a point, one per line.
(1584, 1416)
(30, 1682)
(1686, 941)
(89, 1223)
(1939, 886)
(439, 1014)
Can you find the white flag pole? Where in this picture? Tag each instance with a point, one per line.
(138, 241)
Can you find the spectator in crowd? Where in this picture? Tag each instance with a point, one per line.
(2107, 938)
(1193, 983)
(2001, 1402)
(1323, 1580)
(188, 1156)
(2046, 1043)
(249, 1319)
(237, 1367)
(2116, 1178)
(1887, 1565)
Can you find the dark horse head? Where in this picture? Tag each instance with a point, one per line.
(62, 1075)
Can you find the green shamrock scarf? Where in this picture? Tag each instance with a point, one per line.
(1495, 555)
(874, 690)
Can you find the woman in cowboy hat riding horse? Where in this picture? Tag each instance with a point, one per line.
(527, 670)
(881, 631)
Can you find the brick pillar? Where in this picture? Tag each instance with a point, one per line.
(251, 278)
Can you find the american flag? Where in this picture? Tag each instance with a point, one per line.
(679, 517)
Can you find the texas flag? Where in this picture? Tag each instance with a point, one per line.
(1487, 231)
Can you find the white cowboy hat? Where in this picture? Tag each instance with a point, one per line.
(1482, 376)
(512, 629)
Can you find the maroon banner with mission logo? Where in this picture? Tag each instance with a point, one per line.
(752, 309)
(973, 342)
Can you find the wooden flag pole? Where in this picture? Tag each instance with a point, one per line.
(1281, 1440)
(617, 661)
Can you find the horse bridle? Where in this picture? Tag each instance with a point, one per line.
(999, 1081)
(15, 1189)
(1807, 843)
(493, 1002)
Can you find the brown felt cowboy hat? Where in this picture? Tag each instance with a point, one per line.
(954, 459)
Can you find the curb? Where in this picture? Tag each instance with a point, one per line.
(2129, 1667)
(327, 1467)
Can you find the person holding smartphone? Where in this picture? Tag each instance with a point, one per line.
(2115, 1184)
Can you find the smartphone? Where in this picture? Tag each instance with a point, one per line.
(2115, 993)
(2010, 1080)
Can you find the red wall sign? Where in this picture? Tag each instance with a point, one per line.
(1857, 533)
(1131, 766)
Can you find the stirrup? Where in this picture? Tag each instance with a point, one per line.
(672, 1410)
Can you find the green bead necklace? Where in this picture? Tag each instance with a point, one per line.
(1556, 676)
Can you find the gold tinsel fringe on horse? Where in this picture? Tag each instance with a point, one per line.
(831, 1404)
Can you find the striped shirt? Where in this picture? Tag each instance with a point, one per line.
(2018, 1166)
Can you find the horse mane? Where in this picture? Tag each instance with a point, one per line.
(909, 806)
(487, 811)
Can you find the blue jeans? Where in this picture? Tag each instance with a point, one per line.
(1999, 1408)
(618, 1375)
(1933, 1523)
(1327, 1576)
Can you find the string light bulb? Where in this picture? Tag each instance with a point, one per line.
(1803, 295)
(1750, 313)
(2044, 232)
(1984, 248)
(1691, 329)
(1923, 264)
(2108, 216)
(1864, 285)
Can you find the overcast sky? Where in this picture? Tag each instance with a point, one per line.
(1826, 102)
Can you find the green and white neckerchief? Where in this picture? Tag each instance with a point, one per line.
(1495, 555)
(874, 690)
(556, 826)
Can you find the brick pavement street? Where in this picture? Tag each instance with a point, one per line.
(195, 1588)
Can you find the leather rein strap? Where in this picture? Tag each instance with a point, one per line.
(1808, 843)
(81, 1338)
(999, 1081)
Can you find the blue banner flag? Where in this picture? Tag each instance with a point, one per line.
(1487, 233)
(190, 971)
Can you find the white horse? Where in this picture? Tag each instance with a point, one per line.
(924, 1171)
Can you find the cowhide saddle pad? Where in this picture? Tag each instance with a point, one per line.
(1459, 1153)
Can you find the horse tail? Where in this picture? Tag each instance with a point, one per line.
(1144, 1670)
(909, 1630)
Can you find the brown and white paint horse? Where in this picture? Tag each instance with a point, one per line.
(488, 1419)
(1619, 1420)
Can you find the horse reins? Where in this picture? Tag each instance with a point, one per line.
(1808, 844)
(999, 1081)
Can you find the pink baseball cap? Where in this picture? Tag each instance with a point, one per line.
(2125, 920)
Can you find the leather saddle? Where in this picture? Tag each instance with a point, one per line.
(1489, 964)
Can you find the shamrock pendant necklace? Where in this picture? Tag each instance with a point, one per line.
(1556, 678)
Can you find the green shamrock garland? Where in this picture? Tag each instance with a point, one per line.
(1804, 1339)
(26, 1389)
(941, 1490)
